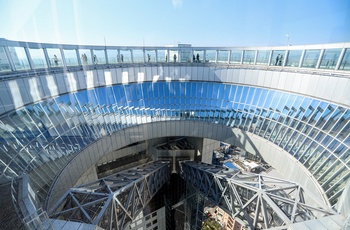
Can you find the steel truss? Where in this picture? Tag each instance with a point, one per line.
(114, 201)
(258, 201)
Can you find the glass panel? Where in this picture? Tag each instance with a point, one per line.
(277, 57)
(113, 56)
(210, 55)
(38, 58)
(248, 57)
(162, 57)
(330, 58)
(345, 62)
(173, 56)
(99, 57)
(55, 57)
(150, 56)
(70, 57)
(263, 57)
(125, 56)
(185, 55)
(198, 55)
(137, 56)
(85, 56)
(293, 58)
(223, 56)
(4, 63)
(236, 56)
(19, 58)
(311, 58)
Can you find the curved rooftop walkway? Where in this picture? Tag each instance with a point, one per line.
(56, 100)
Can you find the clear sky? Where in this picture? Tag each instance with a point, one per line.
(167, 22)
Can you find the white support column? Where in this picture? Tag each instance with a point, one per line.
(106, 56)
(285, 58)
(341, 56)
(256, 56)
(63, 57)
(229, 56)
(301, 58)
(47, 58)
(270, 57)
(9, 58)
(319, 59)
(30, 61)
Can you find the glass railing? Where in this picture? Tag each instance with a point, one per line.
(17, 56)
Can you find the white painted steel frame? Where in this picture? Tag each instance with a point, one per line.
(113, 202)
(259, 200)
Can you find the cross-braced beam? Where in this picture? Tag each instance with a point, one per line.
(114, 201)
(259, 200)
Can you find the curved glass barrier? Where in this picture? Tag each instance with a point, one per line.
(49, 133)
(17, 56)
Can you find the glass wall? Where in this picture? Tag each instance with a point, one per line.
(236, 56)
(173, 55)
(210, 56)
(277, 57)
(38, 58)
(138, 56)
(263, 57)
(19, 58)
(310, 58)
(99, 57)
(125, 56)
(185, 54)
(223, 56)
(162, 56)
(248, 57)
(54, 57)
(199, 54)
(85, 57)
(113, 56)
(330, 58)
(150, 56)
(4, 63)
(293, 58)
(70, 56)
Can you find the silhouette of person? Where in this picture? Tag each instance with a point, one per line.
(280, 61)
(84, 58)
(174, 57)
(277, 59)
(149, 57)
(95, 59)
(55, 59)
(194, 58)
(122, 57)
(166, 58)
(197, 57)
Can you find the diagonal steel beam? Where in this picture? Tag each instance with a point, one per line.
(150, 176)
(248, 189)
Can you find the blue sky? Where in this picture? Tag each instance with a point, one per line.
(168, 22)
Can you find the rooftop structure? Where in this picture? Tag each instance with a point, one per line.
(65, 109)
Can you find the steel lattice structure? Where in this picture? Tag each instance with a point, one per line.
(258, 200)
(114, 201)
